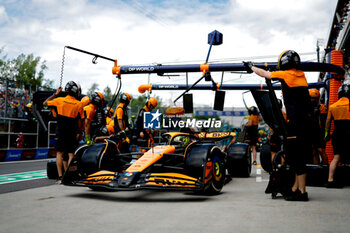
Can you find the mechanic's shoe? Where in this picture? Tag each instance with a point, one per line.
(333, 185)
(59, 180)
(254, 163)
(297, 196)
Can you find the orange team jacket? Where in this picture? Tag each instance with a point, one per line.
(68, 110)
(255, 119)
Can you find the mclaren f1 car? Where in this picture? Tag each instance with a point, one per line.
(187, 162)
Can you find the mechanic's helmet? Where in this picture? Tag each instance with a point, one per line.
(124, 98)
(97, 99)
(133, 117)
(314, 93)
(288, 59)
(279, 102)
(72, 89)
(109, 111)
(253, 110)
(85, 100)
(29, 105)
(152, 103)
(344, 89)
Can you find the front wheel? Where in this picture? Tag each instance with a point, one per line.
(214, 175)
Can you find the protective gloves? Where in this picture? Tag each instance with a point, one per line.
(88, 140)
(248, 65)
(327, 135)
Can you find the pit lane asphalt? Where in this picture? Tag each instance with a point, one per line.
(242, 207)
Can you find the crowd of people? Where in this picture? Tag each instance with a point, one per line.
(17, 100)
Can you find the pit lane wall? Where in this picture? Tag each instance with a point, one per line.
(22, 139)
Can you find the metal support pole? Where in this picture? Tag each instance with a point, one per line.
(6, 97)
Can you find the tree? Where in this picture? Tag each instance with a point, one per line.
(27, 70)
(107, 93)
(92, 89)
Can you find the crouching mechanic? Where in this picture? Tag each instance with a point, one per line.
(95, 119)
(69, 112)
(340, 113)
(146, 134)
(298, 108)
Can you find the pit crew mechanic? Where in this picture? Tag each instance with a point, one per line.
(298, 107)
(95, 120)
(340, 113)
(142, 133)
(69, 126)
(317, 138)
(252, 130)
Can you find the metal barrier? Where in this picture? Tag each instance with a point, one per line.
(9, 132)
(49, 134)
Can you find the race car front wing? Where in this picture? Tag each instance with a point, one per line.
(129, 181)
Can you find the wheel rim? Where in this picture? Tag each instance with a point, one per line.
(217, 170)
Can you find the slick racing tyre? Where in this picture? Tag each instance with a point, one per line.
(239, 162)
(207, 163)
(265, 158)
(51, 169)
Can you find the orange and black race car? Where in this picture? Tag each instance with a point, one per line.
(187, 162)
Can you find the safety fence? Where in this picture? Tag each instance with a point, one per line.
(23, 139)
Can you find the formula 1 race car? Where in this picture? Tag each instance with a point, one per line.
(187, 162)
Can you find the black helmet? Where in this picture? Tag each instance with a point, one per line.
(288, 59)
(72, 89)
(97, 98)
(344, 89)
(124, 98)
(253, 110)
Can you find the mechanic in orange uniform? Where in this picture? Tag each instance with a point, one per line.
(121, 119)
(298, 108)
(142, 133)
(69, 113)
(317, 137)
(252, 130)
(340, 113)
(95, 120)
